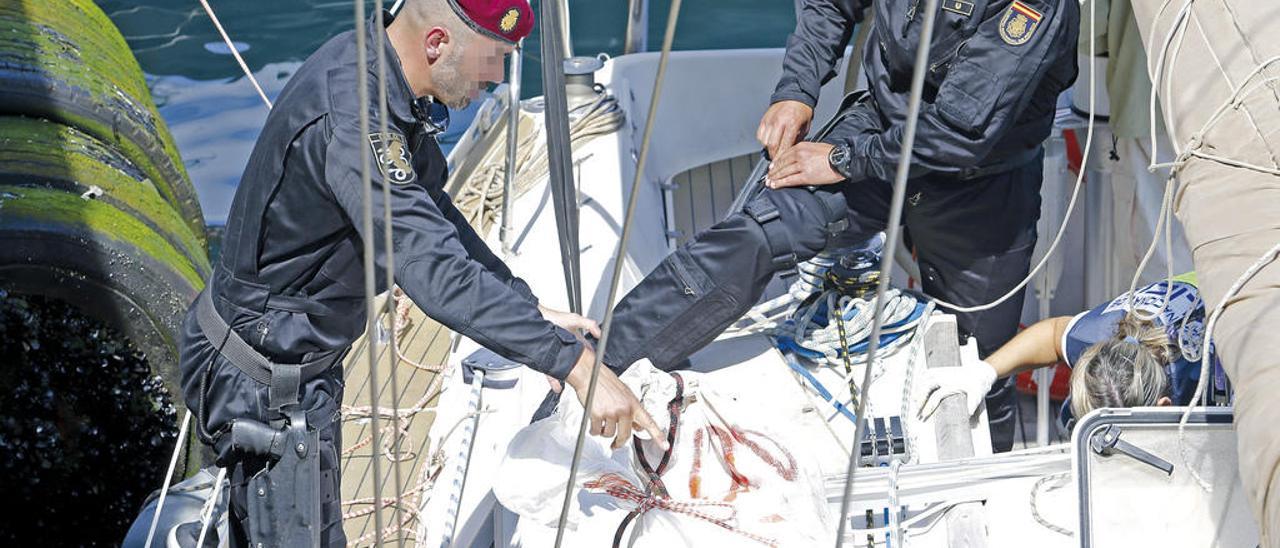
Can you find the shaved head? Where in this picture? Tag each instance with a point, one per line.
(442, 56)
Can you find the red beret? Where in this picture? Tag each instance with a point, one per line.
(503, 20)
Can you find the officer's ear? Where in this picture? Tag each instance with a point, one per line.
(434, 43)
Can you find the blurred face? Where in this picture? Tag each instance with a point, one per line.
(466, 66)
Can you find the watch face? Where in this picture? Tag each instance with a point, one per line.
(838, 155)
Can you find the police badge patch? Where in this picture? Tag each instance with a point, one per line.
(1019, 23)
(509, 20)
(392, 157)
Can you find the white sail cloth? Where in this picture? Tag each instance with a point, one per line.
(730, 479)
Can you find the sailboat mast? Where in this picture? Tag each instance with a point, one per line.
(564, 196)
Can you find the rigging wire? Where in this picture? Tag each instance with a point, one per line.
(673, 15)
(211, 506)
(366, 183)
(379, 41)
(564, 191)
(891, 242)
(168, 476)
(235, 53)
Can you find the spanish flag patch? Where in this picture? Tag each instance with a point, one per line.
(1019, 23)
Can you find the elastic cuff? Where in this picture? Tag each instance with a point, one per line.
(563, 354)
(793, 95)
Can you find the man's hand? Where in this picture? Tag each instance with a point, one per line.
(973, 380)
(615, 410)
(803, 164)
(782, 125)
(570, 321)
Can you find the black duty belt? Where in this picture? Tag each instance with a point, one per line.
(282, 379)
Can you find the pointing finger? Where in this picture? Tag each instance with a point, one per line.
(643, 419)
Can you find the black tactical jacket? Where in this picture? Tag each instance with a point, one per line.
(996, 68)
(291, 278)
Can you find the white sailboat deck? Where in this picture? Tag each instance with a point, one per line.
(704, 127)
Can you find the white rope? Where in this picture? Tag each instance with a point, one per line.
(479, 197)
(1194, 142)
(895, 509)
(1155, 73)
(210, 506)
(1206, 356)
(235, 53)
(1164, 220)
(1035, 508)
(168, 475)
(908, 383)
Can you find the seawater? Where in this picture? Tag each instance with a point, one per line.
(216, 115)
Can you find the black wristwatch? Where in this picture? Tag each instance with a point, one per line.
(839, 159)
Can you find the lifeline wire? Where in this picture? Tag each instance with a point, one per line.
(173, 463)
(673, 15)
(366, 181)
(891, 242)
(379, 41)
(235, 53)
(211, 506)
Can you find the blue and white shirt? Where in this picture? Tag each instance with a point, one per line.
(1183, 321)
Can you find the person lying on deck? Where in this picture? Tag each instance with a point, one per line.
(1117, 358)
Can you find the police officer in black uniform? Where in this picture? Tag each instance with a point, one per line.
(262, 346)
(996, 68)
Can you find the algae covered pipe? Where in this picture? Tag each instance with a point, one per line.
(63, 60)
(96, 208)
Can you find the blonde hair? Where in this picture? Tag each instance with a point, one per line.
(1126, 370)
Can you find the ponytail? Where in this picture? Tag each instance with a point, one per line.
(1125, 370)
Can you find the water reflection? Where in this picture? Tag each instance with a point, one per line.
(215, 114)
(215, 123)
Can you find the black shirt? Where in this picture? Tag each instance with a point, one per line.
(291, 280)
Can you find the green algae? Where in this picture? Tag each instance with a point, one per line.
(71, 50)
(34, 151)
(21, 205)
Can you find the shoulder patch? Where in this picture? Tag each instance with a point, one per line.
(1019, 23)
(393, 158)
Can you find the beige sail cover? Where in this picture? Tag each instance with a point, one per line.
(1228, 199)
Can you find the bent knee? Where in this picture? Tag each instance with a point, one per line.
(810, 217)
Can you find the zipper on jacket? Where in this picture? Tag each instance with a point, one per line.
(911, 16)
(948, 59)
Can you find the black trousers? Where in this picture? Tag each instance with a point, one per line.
(228, 394)
(973, 240)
